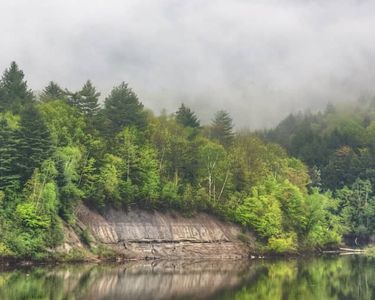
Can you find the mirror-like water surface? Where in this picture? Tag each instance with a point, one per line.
(345, 277)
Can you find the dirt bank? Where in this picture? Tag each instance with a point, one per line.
(139, 234)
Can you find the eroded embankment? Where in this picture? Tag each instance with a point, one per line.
(139, 234)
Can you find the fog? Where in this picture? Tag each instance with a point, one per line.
(259, 60)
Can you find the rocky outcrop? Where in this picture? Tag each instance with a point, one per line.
(142, 234)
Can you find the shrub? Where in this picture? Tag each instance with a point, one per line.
(286, 244)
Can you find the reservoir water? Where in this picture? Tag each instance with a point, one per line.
(326, 277)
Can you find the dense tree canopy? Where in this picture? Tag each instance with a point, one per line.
(64, 149)
(338, 146)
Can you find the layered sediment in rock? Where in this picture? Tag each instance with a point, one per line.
(142, 234)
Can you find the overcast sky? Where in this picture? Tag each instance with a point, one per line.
(259, 60)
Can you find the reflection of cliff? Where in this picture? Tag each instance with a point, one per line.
(331, 277)
(167, 280)
(141, 234)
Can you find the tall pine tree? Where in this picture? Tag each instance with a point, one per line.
(9, 142)
(222, 128)
(14, 91)
(88, 99)
(123, 108)
(53, 92)
(186, 117)
(35, 142)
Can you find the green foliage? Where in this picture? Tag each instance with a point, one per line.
(169, 195)
(52, 92)
(338, 146)
(122, 108)
(30, 218)
(65, 124)
(104, 252)
(357, 205)
(14, 93)
(35, 142)
(88, 99)
(68, 161)
(261, 212)
(222, 128)
(214, 170)
(85, 237)
(9, 156)
(5, 251)
(186, 117)
(109, 182)
(34, 226)
(369, 251)
(281, 245)
(66, 149)
(322, 226)
(287, 217)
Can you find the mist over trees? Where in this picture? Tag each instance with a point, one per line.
(63, 148)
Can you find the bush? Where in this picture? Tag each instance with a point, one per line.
(169, 195)
(286, 244)
(103, 252)
(85, 237)
(370, 251)
(5, 251)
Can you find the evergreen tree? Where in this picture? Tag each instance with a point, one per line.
(14, 91)
(222, 128)
(52, 92)
(72, 98)
(35, 142)
(122, 108)
(186, 117)
(88, 99)
(8, 156)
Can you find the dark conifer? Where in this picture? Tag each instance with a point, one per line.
(186, 117)
(14, 91)
(35, 142)
(222, 128)
(53, 92)
(123, 108)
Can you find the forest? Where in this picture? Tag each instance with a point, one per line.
(301, 186)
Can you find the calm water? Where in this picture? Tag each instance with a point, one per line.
(345, 277)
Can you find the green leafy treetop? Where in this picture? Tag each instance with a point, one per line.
(52, 92)
(186, 117)
(14, 92)
(222, 128)
(123, 108)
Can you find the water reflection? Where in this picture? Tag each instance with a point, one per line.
(317, 278)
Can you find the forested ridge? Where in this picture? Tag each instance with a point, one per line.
(338, 146)
(60, 148)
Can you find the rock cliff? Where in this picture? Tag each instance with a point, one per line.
(142, 234)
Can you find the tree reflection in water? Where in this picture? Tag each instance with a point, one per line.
(349, 277)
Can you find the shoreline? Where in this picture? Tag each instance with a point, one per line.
(19, 262)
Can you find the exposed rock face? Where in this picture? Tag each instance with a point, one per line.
(141, 234)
